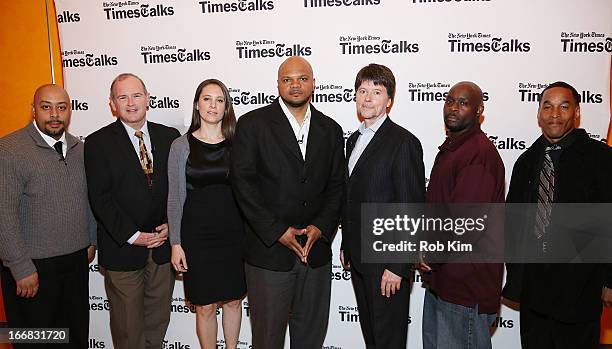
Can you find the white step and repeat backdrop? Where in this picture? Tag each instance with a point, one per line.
(511, 48)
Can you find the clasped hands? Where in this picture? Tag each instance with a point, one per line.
(154, 239)
(289, 239)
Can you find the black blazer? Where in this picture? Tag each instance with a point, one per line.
(119, 196)
(390, 170)
(276, 188)
(565, 292)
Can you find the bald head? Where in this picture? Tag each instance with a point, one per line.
(51, 110)
(463, 107)
(295, 82)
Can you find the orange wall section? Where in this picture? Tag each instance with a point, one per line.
(24, 58)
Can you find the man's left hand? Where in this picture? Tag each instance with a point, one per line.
(606, 297)
(313, 234)
(91, 253)
(161, 235)
(389, 283)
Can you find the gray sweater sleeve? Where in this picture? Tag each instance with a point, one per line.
(13, 251)
(176, 187)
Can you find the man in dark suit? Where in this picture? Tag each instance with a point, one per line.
(560, 303)
(126, 165)
(385, 165)
(287, 174)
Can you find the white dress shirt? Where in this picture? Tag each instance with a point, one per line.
(301, 132)
(136, 143)
(51, 141)
(365, 136)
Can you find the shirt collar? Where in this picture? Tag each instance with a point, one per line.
(565, 141)
(288, 113)
(50, 140)
(130, 130)
(374, 127)
(452, 143)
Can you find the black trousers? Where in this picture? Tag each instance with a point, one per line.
(299, 297)
(541, 332)
(62, 300)
(384, 321)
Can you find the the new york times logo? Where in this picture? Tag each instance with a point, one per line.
(98, 303)
(330, 347)
(236, 6)
(95, 344)
(164, 102)
(166, 344)
(338, 3)
(332, 93)
(339, 274)
(483, 42)
(68, 17)
(432, 92)
(507, 143)
(370, 44)
(77, 105)
(152, 55)
(532, 92)
(115, 11)
(443, 1)
(250, 49)
(242, 97)
(348, 313)
(82, 59)
(180, 306)
(590, 42)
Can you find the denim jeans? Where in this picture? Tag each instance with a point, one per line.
(453, 326)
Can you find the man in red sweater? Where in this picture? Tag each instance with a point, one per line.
(462, 299)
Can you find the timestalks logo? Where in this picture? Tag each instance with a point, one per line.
(98, 303)
(240, 97)
(338, 3)
(174, 345)
(352, 45)
(140, 10)
(339, 274)
(507, 143)
(77, 105)
(81, 59)
(528, 94)
(236, 6)
(500, 322)
(68, 17)
(432, 92)
(484, 42)
(585, 42)
(348, 313)
(331, 93)
(163, 102)
(271, 49)
(150, 55)
(95, 344)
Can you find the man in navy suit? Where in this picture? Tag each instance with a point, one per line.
(385, 165)
(127, 177)
(287, 174)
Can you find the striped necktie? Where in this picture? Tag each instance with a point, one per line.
(145, 160)
(546, 191)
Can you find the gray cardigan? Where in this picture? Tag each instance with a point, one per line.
(44, 211)
(177, 187)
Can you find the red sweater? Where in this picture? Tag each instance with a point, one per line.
(468, 169)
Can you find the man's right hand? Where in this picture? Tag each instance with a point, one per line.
(288, 239)
(149, 240)
(28, 286)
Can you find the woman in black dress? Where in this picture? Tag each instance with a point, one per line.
(206, 229)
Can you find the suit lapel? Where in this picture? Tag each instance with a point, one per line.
(283, 131)
(127, 152)
(374, 144)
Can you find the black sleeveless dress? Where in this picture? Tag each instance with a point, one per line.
(211, 228)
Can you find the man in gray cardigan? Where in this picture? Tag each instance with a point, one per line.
(47, 230)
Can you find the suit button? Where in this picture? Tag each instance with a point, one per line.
(305, 203)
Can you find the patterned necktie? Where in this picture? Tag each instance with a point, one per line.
(546, 191)
(145, 160)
